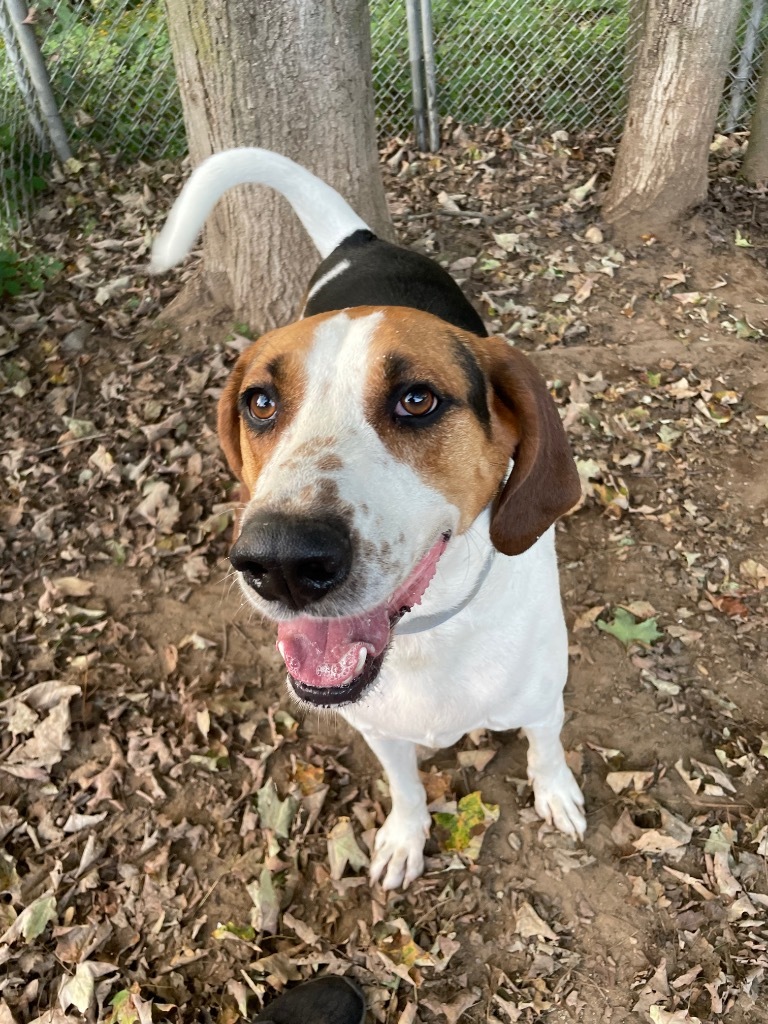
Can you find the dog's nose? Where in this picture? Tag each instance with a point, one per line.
(292, 560)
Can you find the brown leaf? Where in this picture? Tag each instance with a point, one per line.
(456, 1008)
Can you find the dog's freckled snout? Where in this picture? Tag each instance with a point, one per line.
(293, 560)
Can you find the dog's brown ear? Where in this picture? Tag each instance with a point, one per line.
(544, 482)
(229, 416)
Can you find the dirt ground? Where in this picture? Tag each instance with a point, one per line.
(179, 842)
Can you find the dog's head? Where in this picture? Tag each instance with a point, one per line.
(366, 439)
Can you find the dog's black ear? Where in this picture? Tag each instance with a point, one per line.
(229, 416)
(544, 482)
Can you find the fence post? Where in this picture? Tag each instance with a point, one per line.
(38, 76)
(19, 73)
(415, 55)
(430, 74)
(744, 70)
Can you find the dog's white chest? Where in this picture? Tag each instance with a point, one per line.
(498, 664)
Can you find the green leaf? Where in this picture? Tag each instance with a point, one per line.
(720, 839)
(37, 916)
(117, 551)
(629, 630)
(244, 932)
(123, 1009)
(742, 241)
(464, 831)
(744, 329)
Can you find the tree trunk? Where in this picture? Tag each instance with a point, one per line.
(677, 84)
(755, 167)
(635, 31)
(294, 77)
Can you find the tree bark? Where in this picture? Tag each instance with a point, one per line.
(293, 76)
(755, 168)
(635, 31)
(677, 84)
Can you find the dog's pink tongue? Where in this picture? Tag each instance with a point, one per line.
(328, 652)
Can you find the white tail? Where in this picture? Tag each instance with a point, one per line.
(327, 217)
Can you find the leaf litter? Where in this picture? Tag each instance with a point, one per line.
(175, 844)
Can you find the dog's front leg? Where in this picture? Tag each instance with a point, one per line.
(557, 796)
(399, 846)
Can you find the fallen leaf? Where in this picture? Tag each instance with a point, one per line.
(661, 1016)
(77, 822)
(196, 642)
(265, 915)
(72, 586)
(529, 924)
(755, 573)
(626, 628)
(78, 990)
(579, 194)
(463, 832)
(396, 940)
(33, 920)
(274, 813)
(455, 1009)
(729, 605)
(587, 618)
(477, 759)
(637, 780)
(343, 849)
(674, 835)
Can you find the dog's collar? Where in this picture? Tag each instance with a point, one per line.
(423, 623)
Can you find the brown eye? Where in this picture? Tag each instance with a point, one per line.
(418, 401)
(261, 405)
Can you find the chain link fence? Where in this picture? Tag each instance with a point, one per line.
(548, 63)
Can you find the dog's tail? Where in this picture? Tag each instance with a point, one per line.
(328, 218)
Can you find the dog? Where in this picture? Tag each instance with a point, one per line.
(403, 473)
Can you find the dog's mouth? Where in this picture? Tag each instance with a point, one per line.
(333, 661)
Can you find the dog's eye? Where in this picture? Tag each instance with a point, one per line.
(261, 405)
(418, 401)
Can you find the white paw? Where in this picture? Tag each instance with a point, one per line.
(558, 800)
(398, 851)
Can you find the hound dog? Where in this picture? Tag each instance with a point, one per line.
(403, 472)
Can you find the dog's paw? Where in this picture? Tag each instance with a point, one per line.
(559, 801)
(398, 851)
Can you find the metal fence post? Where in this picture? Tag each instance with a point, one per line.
(415, 55)
(430, 74)
(744, 70)
(20, 74)
(38, 76)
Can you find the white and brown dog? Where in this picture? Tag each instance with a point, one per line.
(404, 472)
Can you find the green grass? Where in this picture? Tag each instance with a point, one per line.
(114, 76)
(555, 63)
(23, 170)
(21, 273)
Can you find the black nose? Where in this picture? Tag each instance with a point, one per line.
(292, 560)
